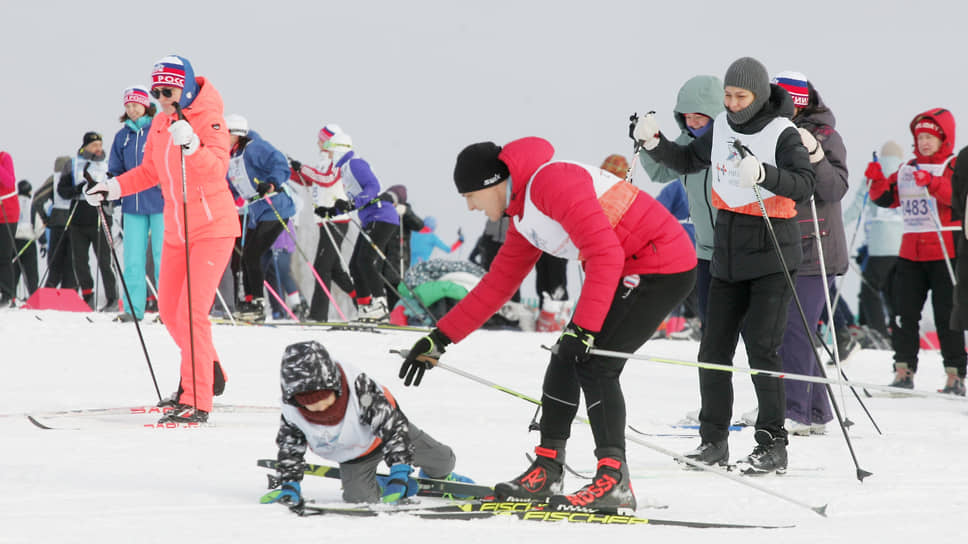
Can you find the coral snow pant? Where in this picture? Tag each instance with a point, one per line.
(207, 259)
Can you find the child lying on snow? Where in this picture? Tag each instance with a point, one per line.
(341, 414)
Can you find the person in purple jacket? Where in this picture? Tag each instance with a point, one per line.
(378, 218)
(142, 219)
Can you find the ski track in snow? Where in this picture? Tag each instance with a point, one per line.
(114, 482)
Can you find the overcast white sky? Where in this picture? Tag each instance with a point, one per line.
(414, 82)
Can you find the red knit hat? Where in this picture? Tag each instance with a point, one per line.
(926, 124)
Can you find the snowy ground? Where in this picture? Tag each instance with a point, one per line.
(120, 482)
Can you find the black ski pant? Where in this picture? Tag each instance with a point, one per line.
(876, 309)
(83, 238)
(8, 285)
(365, 264)
(633, 317)
(912, 282)
(257, 243)
(330, 268)
(60, 260)
(757, 308)
(29, 261)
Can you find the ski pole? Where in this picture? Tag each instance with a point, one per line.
(52, 255)
(861, 474)
(279, 299)
(636, 147)
(821, 510)
(935, 217)
(13, 245)
(853, 237)
(302, 253)
(386, 281)
(188, 269)
(124, 285)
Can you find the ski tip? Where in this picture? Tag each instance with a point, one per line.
(33, 420)
(821, 510)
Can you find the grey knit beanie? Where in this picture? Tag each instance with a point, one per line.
(748, 73)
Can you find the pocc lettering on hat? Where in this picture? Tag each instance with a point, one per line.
(795, 84)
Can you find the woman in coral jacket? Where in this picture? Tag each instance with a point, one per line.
(639, 264)
(9, 215)
(922, 189)
(212, 222)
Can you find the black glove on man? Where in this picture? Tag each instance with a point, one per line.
(423, 356)
(295, 165)
(265, 187)
(343, 206)
(574, 344)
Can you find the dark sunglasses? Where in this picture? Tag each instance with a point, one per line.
(158, 93)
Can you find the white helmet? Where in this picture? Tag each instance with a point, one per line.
(237, 124)
(339, 145)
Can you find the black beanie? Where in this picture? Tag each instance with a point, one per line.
(478, 167)
(91, 137)
(24, 187)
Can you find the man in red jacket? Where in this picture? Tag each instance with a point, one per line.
(639, 263)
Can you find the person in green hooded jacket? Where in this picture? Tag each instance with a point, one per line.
(699, 101)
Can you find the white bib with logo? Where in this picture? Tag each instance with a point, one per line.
(724, 159)
(918, 207)
(544, 232)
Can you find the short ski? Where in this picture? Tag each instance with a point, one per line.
(139, 416)
(526, 511)
(426, 486)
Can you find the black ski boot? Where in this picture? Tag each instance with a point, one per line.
(544, 478)
(768, 456)
(609, 492)
(710, 453)
(184, 413)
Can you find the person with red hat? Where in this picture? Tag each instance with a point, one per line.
(187, 147)
(340, 413)
(143, 220)
(639, 263)
(922, 189)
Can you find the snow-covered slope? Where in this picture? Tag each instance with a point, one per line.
(116, 481)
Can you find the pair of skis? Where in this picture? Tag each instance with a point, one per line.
(481, 503)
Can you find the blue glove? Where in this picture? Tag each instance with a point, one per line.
(398, 485)
(290, 493)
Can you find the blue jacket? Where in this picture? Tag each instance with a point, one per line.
(262, 163)
(673, 197)
(126, 152)
(364, 190)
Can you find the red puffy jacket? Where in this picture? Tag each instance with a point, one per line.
(9, 203)
(647, 240)
(925, 246)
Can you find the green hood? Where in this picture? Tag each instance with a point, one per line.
(701, 94)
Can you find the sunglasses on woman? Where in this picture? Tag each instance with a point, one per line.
(158, 93)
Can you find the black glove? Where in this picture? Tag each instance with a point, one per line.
(265, 187)
(326, 213)
(295, 165)
(574, 344)
(343, 206)
(423, 356)
(633, 120)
